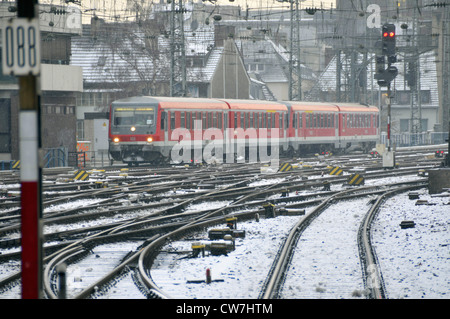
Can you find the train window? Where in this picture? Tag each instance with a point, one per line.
(182, 119)
(163, 121)
(188, 120)
(257, 120)
(247, 120)
(300, 120)
(196, 120)
(294, 120)
(280, 120)
(235, 119)
(172, 120)
(203, 120)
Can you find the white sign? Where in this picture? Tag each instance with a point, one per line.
(21, 54)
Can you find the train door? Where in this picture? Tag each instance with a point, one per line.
(336, 130)
(171, 122)
(163, 125)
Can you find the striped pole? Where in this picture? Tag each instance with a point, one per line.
(30, 174)
(31, 207)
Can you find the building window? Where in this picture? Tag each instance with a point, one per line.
(80, 130)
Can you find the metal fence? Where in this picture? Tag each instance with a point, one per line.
(408, 139)
(88, 159)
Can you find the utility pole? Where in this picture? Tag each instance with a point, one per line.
(177, 50)
(415, 125)
(295, 86)
(21, 58)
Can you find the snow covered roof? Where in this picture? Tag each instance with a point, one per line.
(105, 59)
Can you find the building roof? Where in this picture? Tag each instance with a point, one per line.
(428, 76)
(105, 59)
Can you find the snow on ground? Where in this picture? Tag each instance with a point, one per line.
(242, 270)
(414, 261)
(326, 261)
(424, 248)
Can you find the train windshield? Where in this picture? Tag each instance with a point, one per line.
(134, 116)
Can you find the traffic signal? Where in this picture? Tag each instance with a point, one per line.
(388, 40)
(379, 64)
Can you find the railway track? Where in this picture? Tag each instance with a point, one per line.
(168, 219)
(279, 285)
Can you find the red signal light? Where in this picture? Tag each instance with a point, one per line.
(385, 34)
(391, 34)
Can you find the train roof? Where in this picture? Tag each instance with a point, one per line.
(312, 106)
(354, 107)
(176, 102)
(235, 104)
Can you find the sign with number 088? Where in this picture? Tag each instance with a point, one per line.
(21, 53)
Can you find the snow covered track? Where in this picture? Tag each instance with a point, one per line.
(297, 269)
(117, 240)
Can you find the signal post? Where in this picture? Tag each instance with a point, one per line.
(384, 77)
(21, 58)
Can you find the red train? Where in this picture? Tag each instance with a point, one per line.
(167, 129)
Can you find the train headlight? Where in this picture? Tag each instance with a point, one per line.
(133, 129)
(149, 139)
(116, 140)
